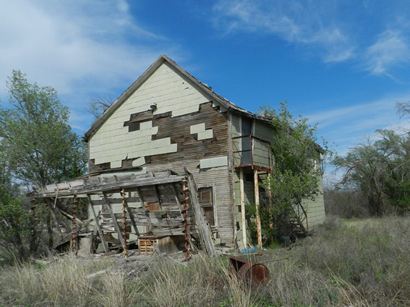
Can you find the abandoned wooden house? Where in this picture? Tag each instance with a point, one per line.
(170, 160)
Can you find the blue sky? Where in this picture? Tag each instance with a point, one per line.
(343, 64)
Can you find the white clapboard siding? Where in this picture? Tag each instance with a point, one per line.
(170, 93)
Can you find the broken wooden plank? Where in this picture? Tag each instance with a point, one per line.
(112, 186)
(97, 224)
(203, 227)
(114, 221)
(132, 218)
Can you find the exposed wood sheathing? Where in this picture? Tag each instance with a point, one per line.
(165, 90)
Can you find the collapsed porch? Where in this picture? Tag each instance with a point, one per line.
(118, 212)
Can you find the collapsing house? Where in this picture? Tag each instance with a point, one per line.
(171, 163)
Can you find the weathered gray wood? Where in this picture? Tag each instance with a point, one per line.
(158, 196)
(69, 216)
(114, 221)
(204, 230)
(97, 223)
(112, 187)
(243, 213)
(54, 218)
(257, 205)
(132, 218)
(141, 196)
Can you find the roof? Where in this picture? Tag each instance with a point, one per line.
(200, 86)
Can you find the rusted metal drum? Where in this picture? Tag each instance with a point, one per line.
(248, 271)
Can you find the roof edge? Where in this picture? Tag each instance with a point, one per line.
(200, 86)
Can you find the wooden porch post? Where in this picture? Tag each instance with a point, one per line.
(257, 205)
(242, 199)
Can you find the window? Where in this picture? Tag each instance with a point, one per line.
(205, 196)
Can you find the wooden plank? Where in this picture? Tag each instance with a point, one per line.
(242, 200)
(97, 223)
(132, 218)
(114, 221)
(96, 188)
(257, 205)
(158, 194)
(69, 216)
(204, 230)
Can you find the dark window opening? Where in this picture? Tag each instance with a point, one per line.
(205, 197)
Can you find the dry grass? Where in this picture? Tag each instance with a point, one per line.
(365, 263)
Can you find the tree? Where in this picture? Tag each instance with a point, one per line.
(403, 108)
(13, 217)
(38, 142)
(296, 173)
(381, 170)
(99, 106)
(38, 147)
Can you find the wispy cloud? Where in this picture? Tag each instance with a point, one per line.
(389, 50)
(293, 21)
(323, 26)
(347, 127)
(84, 49)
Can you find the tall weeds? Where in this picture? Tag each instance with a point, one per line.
(365, 263)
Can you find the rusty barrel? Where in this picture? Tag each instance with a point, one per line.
(249, 271)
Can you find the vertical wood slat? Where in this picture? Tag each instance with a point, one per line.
(124, 222)
(114, 220)
(141, 196)
(132, 218)
(243, 215)
(97, 223)
(257, 205)
(74, 228)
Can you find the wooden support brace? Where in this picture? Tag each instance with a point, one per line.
(124, 222)
(97, 224)
(243, 215)
(74, 228)
(141, 196)
(132, 218)
(158, 196)
(114, 220)
(204, 229)
(257, 205)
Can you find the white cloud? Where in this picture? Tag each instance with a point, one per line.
(293, 21)
(389, 50)
(74, 45)
(349, 126)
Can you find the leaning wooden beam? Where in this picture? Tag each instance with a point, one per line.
(132, 218)
(111, 187)
(69, 216)
(97, 224)
(203, 227)
(114, 221)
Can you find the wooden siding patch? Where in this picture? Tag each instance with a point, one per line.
(213, 162)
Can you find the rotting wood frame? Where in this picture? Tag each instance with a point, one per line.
(183, 212)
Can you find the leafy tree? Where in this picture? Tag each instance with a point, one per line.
(38, 142)
(381, 170)
(38, 147)
(296, 172)
(13, 217)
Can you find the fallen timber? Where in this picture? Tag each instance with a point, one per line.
(159, 210)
